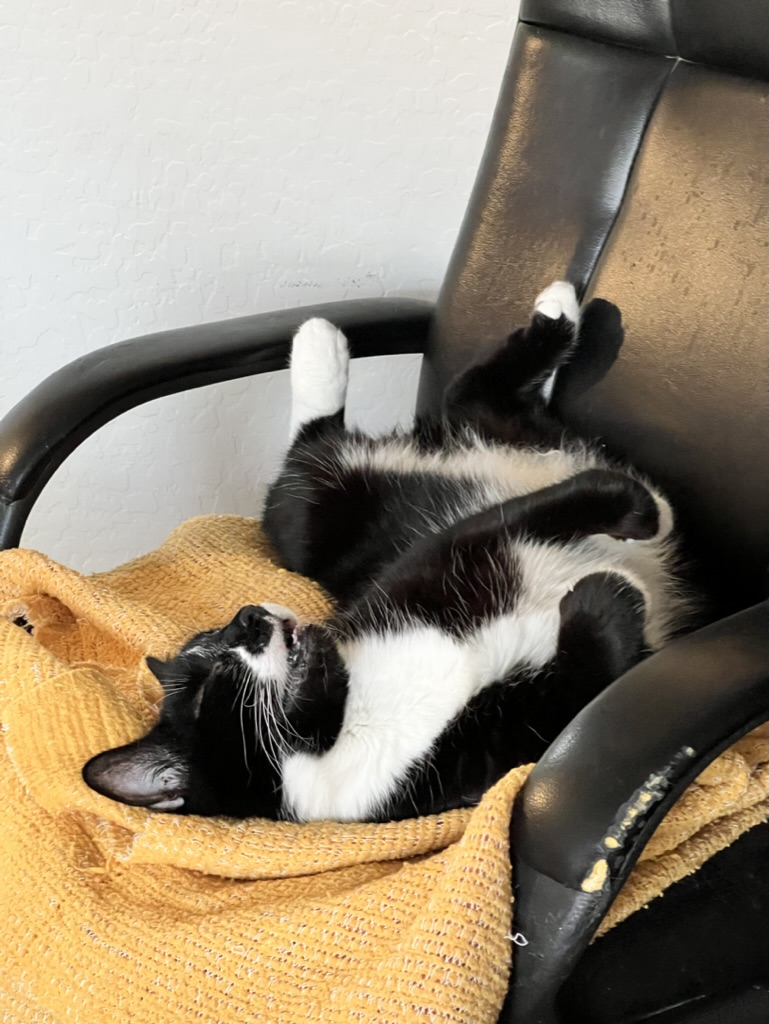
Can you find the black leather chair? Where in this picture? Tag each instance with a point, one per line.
(628, 152)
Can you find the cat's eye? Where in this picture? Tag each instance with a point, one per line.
(218, 669)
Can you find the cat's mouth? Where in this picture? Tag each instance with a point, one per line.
(294, 638)
(272, 628)
(287, 622)
(291, 633)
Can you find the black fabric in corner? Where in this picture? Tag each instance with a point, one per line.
(707, 934)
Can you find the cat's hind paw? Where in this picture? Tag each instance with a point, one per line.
(319, 372)
(558, 300)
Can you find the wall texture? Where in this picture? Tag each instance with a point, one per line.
(165, 163)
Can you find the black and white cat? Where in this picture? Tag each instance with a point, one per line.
(492, 575)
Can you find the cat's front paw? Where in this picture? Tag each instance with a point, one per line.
(319, 371)
(617, 504)
(557, 300)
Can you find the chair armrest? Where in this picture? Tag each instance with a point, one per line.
(613, 774)
(38, 434)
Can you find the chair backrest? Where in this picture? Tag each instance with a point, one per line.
(628, 152)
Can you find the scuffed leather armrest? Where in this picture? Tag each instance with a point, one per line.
(38, 434)
(593, 801)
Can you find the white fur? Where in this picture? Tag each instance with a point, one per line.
(515, 639)
(504, 472)
(404, 688)
(550, 571)
(269, 664)
(280, 612)
(319, 372)
(558, 299)
(547, 388)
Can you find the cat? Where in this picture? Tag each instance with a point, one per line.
(492, 574)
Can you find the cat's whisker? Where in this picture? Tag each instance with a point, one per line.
(268, 721)
(242, 691)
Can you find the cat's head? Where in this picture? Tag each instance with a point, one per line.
(237, 701)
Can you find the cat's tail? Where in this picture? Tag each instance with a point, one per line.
(319, 372)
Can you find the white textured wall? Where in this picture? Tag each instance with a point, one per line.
(165, 163)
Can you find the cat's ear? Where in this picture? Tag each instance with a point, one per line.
(161, 670)
(144, 774)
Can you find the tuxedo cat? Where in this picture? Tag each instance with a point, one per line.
(492, 575)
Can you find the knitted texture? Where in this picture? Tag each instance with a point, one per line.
(111, 912)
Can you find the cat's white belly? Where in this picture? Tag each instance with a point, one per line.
(550, 571)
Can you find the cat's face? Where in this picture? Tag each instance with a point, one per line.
(237, 701)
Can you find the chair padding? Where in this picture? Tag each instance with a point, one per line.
(731, 36)
(687, 265)
(643, 179)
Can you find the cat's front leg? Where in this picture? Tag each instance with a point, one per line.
(319, 373)
(596, 501)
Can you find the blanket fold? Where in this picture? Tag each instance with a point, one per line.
(112, 912)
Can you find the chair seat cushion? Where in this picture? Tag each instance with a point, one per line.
(114, 910)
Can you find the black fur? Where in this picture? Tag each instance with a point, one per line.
(415, 547)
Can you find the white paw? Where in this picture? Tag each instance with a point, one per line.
(319, 371)
(558, 299)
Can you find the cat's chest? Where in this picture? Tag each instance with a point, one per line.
(405, 688)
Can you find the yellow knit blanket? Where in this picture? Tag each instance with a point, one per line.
(111, 913)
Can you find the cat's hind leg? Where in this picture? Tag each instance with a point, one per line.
(520, 373)
(319, 373)
(556, 303)
(601, 636)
